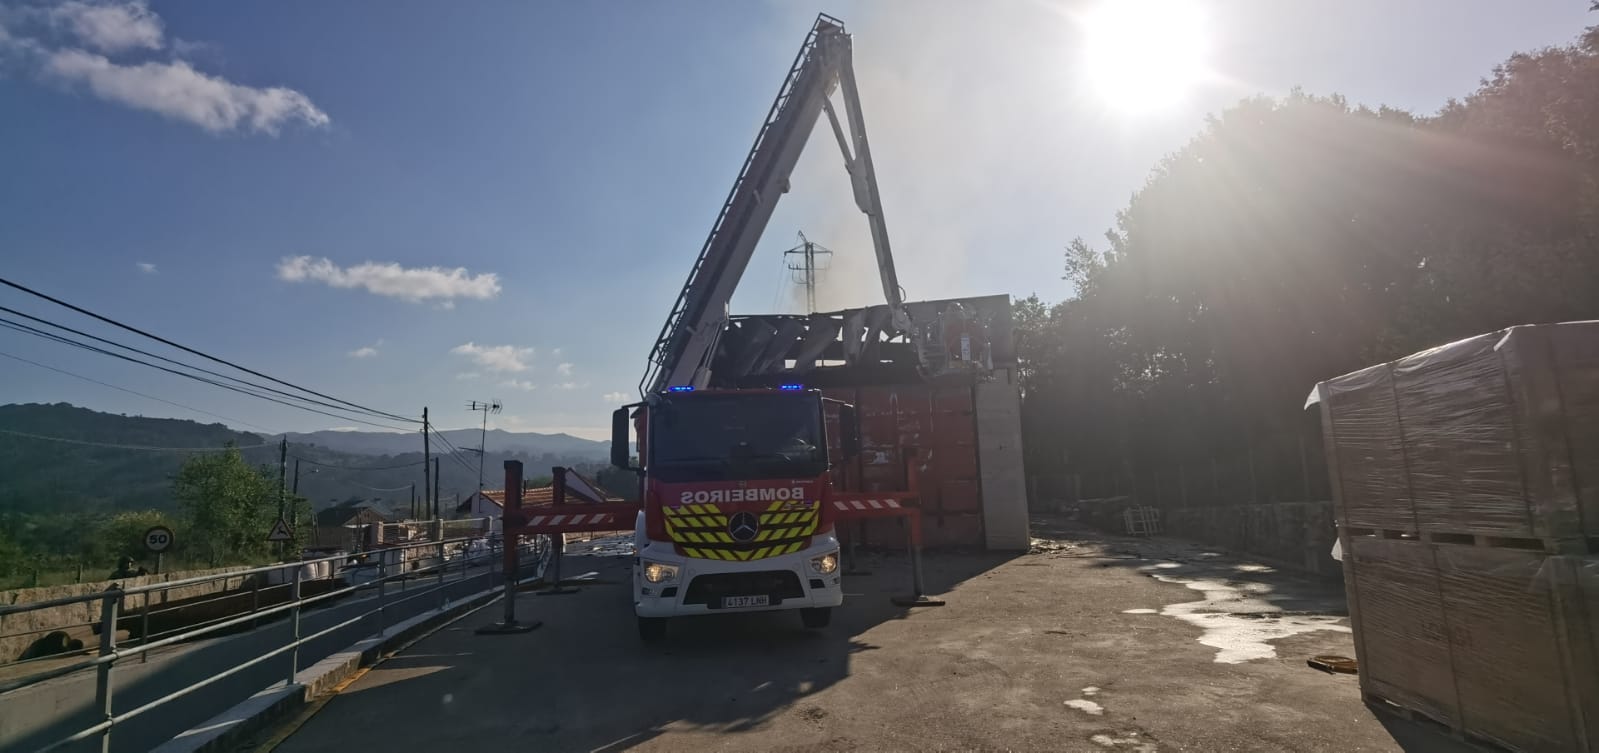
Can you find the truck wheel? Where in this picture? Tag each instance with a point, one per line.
(651, 629)
(816, 617)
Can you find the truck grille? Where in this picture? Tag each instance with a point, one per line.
(709, 589)
(705, 531)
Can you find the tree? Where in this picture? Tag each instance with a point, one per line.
(230, 506)
(122, 534)
(1299, 238)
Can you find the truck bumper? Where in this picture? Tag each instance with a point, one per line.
(788, 582)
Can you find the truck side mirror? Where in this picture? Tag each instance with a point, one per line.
(620, 455)
(850, 425)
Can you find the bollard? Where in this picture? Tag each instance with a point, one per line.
(108, 644)
(918, 597)
(144, 629)
(294, 627)
(558, 546)
(383, 576)
(444, 595)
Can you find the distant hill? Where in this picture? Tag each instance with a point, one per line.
(393, 443)
(41, 475)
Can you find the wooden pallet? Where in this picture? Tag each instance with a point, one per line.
(1383, 705)
(1547, 545)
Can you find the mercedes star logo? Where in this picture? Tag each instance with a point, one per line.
(743, 526)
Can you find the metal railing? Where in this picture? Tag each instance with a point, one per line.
(422, 569)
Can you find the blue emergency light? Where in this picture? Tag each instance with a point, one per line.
(791, 387)
(681, 388)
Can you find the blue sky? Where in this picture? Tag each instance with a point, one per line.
(501, 199)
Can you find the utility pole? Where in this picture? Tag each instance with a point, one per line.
(283, 470)
(436, 487)
(492, 406)
(413, 499)
(427, 453)
(805, 269)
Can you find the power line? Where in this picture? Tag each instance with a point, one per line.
(69, 341)
(131, 446)
(358, 467)
(375, 489)
(454, 454)
(175, 362)
(132, 392)
(192, 351)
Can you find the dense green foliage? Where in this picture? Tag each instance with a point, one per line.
(1297, 239)
(81, 502)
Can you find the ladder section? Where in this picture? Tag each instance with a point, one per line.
(683, 341)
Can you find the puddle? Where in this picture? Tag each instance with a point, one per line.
(1129, 743)
(1090, 691)
(1087, 707)
(1238, 622)
(1140, 611)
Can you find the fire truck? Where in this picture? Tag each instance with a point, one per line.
(738, 502)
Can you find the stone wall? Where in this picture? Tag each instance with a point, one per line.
(19, 631)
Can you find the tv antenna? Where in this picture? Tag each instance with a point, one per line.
(492, 406)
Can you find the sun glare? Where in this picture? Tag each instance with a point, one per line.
(1144, 55)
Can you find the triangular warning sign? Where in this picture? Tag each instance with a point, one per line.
(280, 531)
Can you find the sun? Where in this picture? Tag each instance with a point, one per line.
(1145, 55)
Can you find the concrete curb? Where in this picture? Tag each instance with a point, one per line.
(226, 730)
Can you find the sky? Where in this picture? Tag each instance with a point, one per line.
(408, 204)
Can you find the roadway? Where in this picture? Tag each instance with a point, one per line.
(37, 715)
(1092, 643)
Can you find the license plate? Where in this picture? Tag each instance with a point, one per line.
(729, 602)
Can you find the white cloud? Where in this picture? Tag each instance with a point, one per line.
(571, 385)
(465, 375)
(615, 397)
(414, 285)
(520, 384)
(365, 351)
(110, 27)
(496, 357)
(146, 267)
(178, 91)
(564, 369)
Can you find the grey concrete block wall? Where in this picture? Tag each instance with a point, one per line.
(999, 455)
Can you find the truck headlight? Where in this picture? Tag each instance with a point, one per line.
(657, 572)
(826, 563)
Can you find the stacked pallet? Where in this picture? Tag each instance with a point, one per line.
(1466, 484)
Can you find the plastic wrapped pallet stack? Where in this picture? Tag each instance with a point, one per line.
(1466, 481)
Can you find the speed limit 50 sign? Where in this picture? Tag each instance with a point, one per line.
(158, 539)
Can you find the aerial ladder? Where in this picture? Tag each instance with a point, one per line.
(684, 350)
(715, 525)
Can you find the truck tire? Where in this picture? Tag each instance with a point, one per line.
(816, 617)
(651, 629)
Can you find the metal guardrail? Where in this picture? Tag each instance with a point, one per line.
(432, 560)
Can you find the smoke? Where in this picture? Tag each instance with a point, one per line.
(964, 113)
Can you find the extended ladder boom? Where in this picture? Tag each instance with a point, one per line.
(687, 342)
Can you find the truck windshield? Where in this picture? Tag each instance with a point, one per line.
(737, 437)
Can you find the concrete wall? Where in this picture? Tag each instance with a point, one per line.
(73, 618)
(999, 456)
(1295, 534)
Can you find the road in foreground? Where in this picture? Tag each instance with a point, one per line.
(1092, 644)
